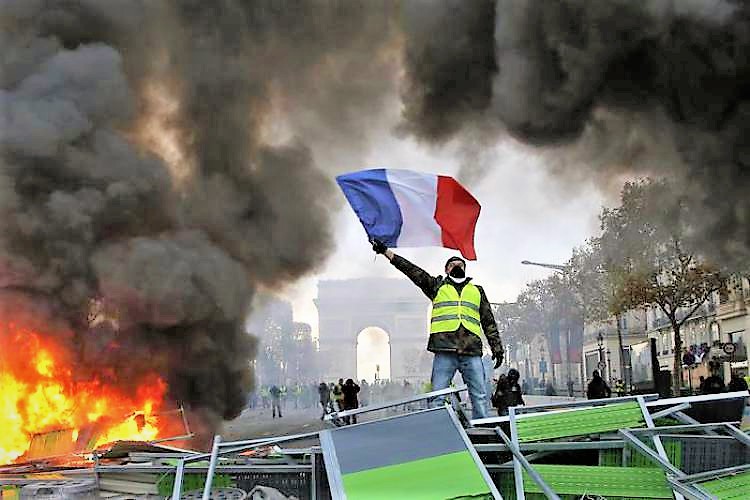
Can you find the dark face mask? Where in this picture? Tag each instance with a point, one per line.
(457, 272)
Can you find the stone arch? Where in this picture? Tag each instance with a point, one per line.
(373, 354)
(346, 307)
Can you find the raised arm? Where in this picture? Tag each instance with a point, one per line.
(427, 283)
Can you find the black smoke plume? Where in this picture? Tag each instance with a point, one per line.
(173, 240)
(611, 86)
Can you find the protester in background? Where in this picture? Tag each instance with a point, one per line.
(461, 313)
(515, 397)
(597, 388)
(275, 400)
(713, 385)
(507, 392)
(570, 388)
(620, 387)
(325, 398)
(702, 384)
(350, 390)
(499, 399)
(737, 384)
(338, 395)
(525, 387)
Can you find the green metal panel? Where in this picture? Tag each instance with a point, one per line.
(613, 457)
(609, 482)
(454, 475)
(580, 422)
(729, 487)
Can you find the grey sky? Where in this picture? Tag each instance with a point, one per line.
(526, 214)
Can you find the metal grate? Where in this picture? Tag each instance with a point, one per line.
(218, 494)
(704, 453)
(288, 483)
(322, 490)
(730, 487)
(603, 481)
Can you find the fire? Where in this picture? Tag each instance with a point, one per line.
(40, 392)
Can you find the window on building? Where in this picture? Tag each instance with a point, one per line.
(715, 333)
(666, 342)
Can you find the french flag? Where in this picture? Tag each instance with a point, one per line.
(403, 208)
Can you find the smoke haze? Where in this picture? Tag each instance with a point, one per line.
(165, 157)
(610, 88)
(135, 171)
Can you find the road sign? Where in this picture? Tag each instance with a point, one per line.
(728, 348)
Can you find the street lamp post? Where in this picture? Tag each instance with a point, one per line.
(600, 343)
(609, 367)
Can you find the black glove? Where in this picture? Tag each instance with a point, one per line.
(378, 247)
(498, 357)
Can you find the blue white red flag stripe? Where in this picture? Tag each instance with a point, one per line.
(403, 208)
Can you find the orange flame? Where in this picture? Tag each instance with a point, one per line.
(40, 392)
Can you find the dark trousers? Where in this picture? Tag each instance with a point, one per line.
(348, 405)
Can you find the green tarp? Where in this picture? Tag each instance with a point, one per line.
(421, 455)
(729, 487)
(603, 481)
(579, 422)
(454, 475)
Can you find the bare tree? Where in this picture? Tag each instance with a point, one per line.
(645, 238)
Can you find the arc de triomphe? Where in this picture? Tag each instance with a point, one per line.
(346, 307)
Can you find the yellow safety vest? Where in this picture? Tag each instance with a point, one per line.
(449, 310)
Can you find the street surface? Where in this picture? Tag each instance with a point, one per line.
(258, 423)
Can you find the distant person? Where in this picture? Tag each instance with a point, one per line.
(525, 387)
(461, 313)
(702, 384)
(515, 397)
(350, 390)
(325, 398)
(713, 385)
(570, 388)
(338, 395)
(597, 388)
(620, 387)
(507, 393)
(737, 384)
(275, 400)
(499, 398)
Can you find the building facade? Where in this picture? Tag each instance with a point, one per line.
(722, 320)
(601, 346)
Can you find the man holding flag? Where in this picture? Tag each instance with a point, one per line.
(460, 313)
(403, 208)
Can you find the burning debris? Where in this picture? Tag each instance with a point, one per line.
(135, 171)
(45, 396)
(140, 166)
